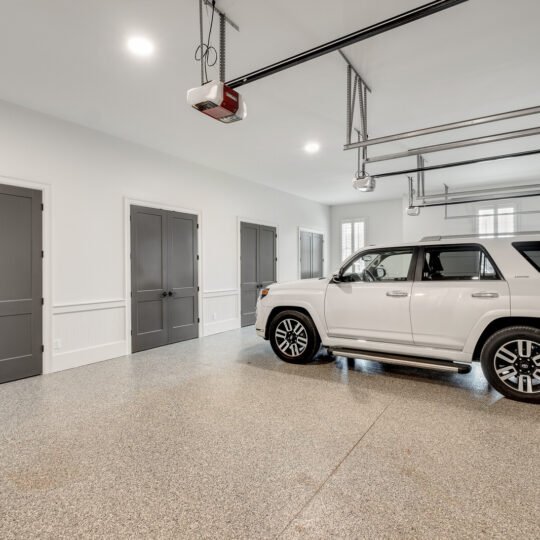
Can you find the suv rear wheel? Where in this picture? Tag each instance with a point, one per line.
(510, 361)
(293, 337)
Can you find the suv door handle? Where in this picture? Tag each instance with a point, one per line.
(485, 294)
(397, 294)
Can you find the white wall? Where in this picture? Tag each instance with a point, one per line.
(87, 177)
(431, 221)
(388, 222)
(383, 224)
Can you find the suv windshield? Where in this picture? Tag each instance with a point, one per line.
(387, 265)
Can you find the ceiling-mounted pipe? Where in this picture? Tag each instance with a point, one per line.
(458, 144)
(446, 127)
(345, 41)
(467, 200)
(482, 191)
(457, 164)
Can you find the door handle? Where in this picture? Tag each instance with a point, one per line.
(485, 294)
(397, 294)
(164, 294)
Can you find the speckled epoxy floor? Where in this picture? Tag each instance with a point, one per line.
(217, 438)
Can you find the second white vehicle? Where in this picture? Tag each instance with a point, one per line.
(439, 304)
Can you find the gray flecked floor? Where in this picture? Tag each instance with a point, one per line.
(217, 438)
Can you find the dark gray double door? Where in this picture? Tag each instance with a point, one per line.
(257, 266)
(311, 255)
(20, 283)
(164, 277)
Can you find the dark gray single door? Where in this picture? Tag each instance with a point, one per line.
(257, 266)
(305, 255)
(183, 300)
(20, 283)
(164, 280)
(317, 255)
(311, 255)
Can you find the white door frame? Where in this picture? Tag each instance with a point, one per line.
(128, 202)
(46, 217)
(325, 255)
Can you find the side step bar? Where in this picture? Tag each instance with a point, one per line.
(401, 360)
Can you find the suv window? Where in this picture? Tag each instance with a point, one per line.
(386, 265)
(531, 251)
(461, 263)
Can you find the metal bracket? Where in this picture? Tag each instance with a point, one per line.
(223, 14)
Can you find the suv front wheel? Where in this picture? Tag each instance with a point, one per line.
(293, 337)
(510, 361)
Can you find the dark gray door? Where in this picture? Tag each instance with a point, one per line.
(164, 280)
(317, 255)
(305, 255)
(20, 283)
(183, 300)
(311, 255)
(257, 266)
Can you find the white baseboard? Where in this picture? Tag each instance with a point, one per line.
(216, 327)
(88, 355)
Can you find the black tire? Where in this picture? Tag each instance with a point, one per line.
(510, 361)
(293, 337)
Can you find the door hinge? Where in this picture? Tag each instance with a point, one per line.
(198, 289)
(197, 257)
(197, 225)
(42, 207)
(132, 332)
(42, 302)
(43, 348)
(198, 319)
(42, 254)
(276, 259)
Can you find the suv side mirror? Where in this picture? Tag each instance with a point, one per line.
(336, 278)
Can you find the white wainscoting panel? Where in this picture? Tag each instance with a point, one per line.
(87, 332)
(221, 311)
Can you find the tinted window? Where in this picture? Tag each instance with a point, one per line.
(531, 251)
(390, 265)
(456, 264)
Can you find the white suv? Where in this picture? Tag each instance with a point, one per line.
(439, 304)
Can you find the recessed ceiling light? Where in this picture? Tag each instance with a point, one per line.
(312, 147)
(140, 46)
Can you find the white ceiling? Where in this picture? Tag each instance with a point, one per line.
(67, 58)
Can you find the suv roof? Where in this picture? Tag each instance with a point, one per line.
(464, 239)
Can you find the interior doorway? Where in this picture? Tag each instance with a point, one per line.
(258, 258)
(21, 319)
(164, 277)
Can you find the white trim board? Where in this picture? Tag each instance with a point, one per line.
(47, 269)
(127, 257)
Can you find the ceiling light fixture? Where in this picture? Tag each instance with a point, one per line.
(312, 147)
(140, 46)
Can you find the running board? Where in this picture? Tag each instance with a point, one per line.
(401, 360)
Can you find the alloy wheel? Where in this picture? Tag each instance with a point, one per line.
(291, 337)
(517, 364)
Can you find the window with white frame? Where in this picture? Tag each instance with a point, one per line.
(496, 221)
(353, 237)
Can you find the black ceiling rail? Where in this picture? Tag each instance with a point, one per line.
(339, 43)
(457, 164)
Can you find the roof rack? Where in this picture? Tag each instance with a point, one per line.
(454, 236)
